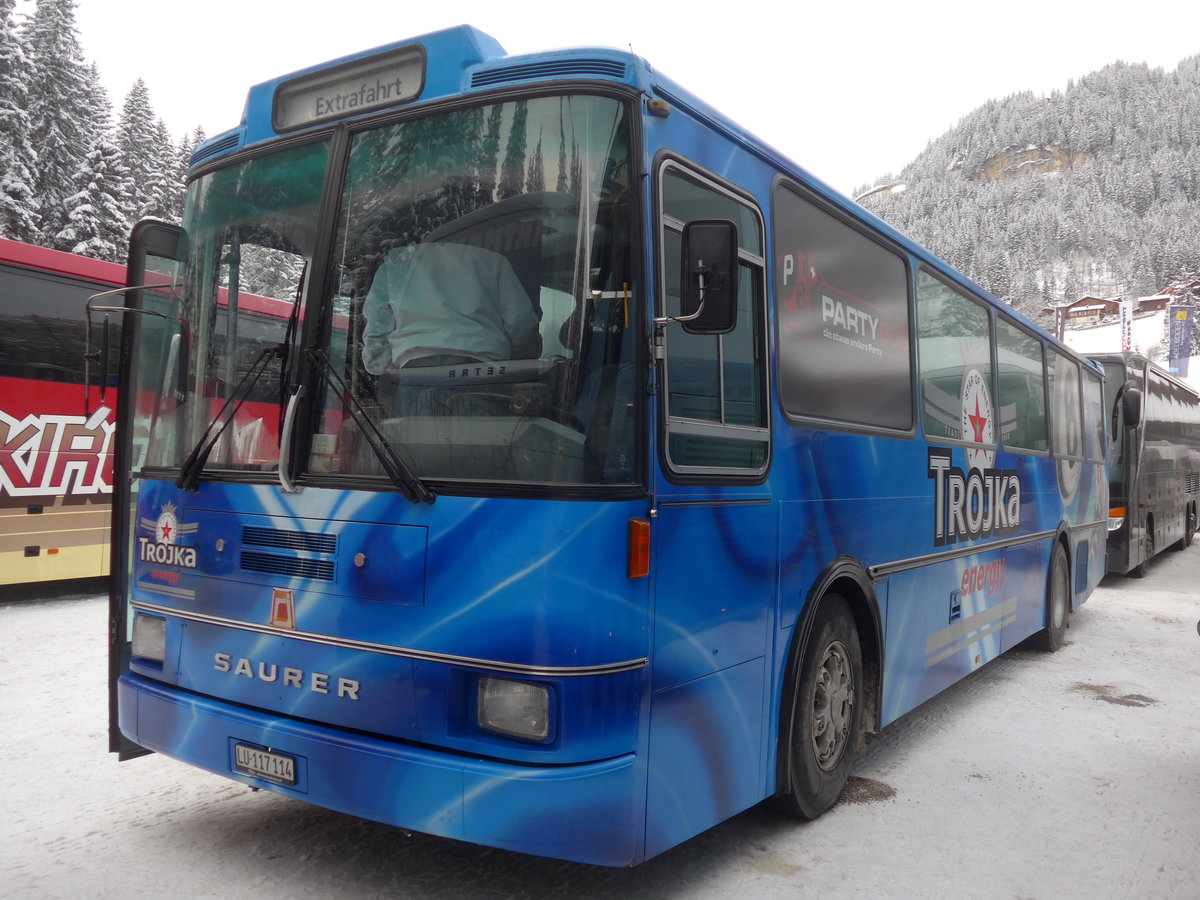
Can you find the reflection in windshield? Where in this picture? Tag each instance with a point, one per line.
(485, 291)
(250, 232)
(479, 316)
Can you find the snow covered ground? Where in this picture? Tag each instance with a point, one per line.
(1075, 774)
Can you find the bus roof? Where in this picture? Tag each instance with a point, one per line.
(60, 263)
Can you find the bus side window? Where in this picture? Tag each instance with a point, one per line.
(842, 307)
(715, 395)
(956, 367)
(1022, 388)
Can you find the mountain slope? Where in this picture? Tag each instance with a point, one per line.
(1094, 190)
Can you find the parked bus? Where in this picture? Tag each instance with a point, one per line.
(1153, 461)
(55, 460)
(627, 474)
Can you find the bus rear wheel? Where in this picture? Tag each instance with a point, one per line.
(1058, 601)
(827, 715)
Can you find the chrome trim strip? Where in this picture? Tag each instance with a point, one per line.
(714, 502)
(916, 562)
(389, 650)
(178, 593)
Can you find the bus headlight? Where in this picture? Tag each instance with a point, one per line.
(149, 638)
(514, 708)
(1116, 517)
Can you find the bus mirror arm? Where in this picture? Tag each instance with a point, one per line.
(102, 353)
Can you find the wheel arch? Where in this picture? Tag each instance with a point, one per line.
(847, 578)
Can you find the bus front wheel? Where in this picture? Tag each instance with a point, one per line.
(1058, 601)
(828, 711)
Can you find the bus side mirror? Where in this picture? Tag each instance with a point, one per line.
(1131, 406)
(709, 277)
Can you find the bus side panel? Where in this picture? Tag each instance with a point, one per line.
(705, 749)
(714, 569)
(944, 622)
(55, 483)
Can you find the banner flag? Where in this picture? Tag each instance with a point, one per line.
(1182, 320)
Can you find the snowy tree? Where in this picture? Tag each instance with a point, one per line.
(18, 212)
(148, 156)
(63, 116)
(96, 225)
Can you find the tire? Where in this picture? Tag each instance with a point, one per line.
(826, 718)
(1140, 570)
(1058, 601)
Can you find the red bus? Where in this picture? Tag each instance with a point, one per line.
(55, 460)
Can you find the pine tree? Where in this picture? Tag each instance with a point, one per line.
(18, 211)
(96, 225)
(161, 184)
(140, 140)
(63, 116)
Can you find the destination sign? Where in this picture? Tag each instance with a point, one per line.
(351, 89)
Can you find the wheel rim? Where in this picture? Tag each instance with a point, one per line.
(833, 706)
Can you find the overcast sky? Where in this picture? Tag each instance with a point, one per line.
(850, 90)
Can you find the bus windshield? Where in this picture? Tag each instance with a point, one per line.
(477, 318)
(482, 299)
(250, 233)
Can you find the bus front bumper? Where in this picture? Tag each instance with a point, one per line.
(583, 813)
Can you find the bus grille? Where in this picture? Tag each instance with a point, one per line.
(295, 567)
(552, 69)
(289, 540)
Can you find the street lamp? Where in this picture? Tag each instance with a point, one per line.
(893, 187)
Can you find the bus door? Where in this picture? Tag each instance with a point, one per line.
(714, 534)
(148, 385)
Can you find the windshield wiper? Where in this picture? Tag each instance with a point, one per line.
(189, 473)
(403, 477)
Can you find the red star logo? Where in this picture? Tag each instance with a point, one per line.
(978, 423)
(166, 531)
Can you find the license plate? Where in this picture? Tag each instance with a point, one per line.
(264, 764)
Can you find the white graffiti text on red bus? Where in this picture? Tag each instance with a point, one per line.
(56, 455)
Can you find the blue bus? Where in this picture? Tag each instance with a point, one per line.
(624, 474)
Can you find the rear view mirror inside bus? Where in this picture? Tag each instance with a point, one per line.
(709, 278)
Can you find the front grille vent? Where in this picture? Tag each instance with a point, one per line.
(289, 540)
(292, 566)
(562, 68)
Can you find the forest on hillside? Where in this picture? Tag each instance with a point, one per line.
(1091, 191)
(71, 178)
